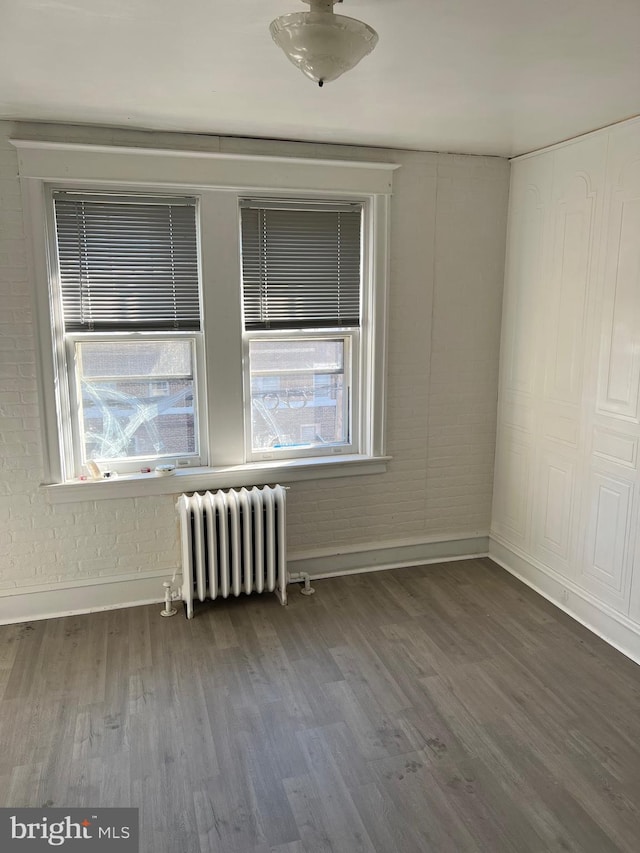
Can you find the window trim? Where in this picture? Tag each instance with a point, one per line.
(43, 165)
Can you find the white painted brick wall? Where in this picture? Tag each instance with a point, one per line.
(448, 215)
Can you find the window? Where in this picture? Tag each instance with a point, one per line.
(124, 417)
(300, 394)
(128, 294)
(301, 270)
(202, 318)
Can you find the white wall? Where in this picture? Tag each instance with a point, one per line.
(447, 249)
(566, 492)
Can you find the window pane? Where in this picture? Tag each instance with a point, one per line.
(298, 394)
(103, 359)
(276, 356)
(137, 399)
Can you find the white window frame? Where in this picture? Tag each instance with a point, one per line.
(218, 181)
(69, 457)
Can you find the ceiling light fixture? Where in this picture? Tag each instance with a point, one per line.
(321, 44)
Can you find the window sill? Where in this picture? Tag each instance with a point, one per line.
(201, 479)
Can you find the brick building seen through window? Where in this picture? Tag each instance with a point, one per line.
(295, 402)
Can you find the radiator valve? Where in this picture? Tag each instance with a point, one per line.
(296, 577)
(169, 609)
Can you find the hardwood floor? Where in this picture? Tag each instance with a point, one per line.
(442, 708)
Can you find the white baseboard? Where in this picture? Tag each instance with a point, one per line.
(613, 627)
(67, 598)
(47, 601)
(332, 562)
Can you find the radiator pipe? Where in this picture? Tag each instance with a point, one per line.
(169, 609)
(302, 577)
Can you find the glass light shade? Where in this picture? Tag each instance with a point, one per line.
(323, 46)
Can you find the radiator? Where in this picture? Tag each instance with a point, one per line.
(233, 542)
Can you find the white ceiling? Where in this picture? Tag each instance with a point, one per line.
(472, 76)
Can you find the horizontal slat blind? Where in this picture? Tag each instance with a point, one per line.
(127, 265)
(300, 267)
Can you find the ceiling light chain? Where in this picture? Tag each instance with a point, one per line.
(320, 43)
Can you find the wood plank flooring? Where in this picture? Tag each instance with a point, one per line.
(443, 708)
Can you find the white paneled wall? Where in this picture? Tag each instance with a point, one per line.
(567, 484)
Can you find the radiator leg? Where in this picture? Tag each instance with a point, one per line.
(169, 609)
(307, 589)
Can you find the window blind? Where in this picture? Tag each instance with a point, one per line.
(300, 266)
(127, 264)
